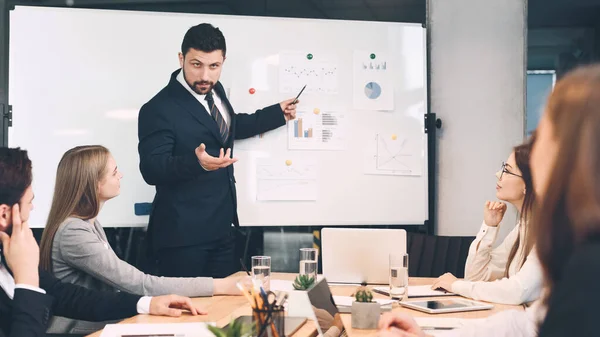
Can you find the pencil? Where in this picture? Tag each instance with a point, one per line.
(245, 293)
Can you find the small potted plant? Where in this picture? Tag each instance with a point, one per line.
(298, 302)
(236, 328)
(304, 282)
(365, 311)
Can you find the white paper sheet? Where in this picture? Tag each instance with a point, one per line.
(418, 291)
(286, 179)
(372, 87)
(281, 285)
(176, 329)
(346, 301)
(427, 323)
(317, 130)
(394, 154)
(319, 73)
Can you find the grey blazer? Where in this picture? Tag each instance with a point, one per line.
(81, 255)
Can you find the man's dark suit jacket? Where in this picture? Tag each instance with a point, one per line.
(192, 206)
(28, 313)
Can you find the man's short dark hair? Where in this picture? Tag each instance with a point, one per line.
(15, 175)
(204, 37)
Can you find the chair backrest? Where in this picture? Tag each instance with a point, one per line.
(432, 256)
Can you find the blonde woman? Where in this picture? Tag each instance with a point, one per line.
(509, 273)
(74, 246)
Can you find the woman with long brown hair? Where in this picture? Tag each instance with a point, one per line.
(74, 246)
(509, 273)
(566, 158)
(565, 165)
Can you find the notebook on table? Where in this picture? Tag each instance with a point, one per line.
(416, 291)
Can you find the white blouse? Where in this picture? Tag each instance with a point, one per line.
(485, 270)
(509, 323)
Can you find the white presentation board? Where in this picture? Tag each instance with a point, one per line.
(356, 154)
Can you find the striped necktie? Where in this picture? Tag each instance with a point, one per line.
(218, 117)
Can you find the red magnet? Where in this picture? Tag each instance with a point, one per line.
(252, 91)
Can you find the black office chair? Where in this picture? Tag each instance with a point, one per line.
(432, 256)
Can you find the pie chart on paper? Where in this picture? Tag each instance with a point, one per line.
(372, 90)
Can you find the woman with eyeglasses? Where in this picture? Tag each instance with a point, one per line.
(509, 273)
(565, 161)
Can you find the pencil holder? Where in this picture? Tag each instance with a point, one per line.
(269, 322)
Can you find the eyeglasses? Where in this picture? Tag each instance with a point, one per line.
(504, 170)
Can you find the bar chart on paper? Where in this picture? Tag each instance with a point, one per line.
(394, 154)
(373, 84)
(300, 131)
(288, 179)
(317, 130)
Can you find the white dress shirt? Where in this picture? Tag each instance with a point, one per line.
(508, 323)
(485, 270)
(202, 99)
(7, 283)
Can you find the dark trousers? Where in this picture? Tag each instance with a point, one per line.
(214, 259)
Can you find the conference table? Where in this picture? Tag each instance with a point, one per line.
(222, 309)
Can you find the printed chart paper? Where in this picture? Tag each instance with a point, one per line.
(372, 87)
(286, 179)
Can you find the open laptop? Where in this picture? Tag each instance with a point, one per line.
(359, 255)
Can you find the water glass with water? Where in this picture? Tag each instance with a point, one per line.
(261, 271)
(398, 275)
(309, 262)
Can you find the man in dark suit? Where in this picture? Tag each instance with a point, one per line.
(29, 296)
(183, 133)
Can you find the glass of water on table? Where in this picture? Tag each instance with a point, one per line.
(309, 262)
(261, 271)
(398, 275)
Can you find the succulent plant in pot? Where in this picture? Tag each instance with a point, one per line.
(365, 311)
(236, 328)
(304, 282)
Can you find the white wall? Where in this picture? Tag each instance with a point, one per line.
(477, 88)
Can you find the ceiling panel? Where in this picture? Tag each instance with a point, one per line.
(376, 10)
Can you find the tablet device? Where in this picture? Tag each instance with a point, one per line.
(324, 307)
(446, 306)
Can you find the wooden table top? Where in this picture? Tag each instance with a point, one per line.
(222, 309)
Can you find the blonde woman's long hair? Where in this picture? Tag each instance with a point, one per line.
(75, 192)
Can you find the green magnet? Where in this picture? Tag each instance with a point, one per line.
(309, 56)
(372, 56)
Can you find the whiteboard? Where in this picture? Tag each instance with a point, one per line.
(80, 76)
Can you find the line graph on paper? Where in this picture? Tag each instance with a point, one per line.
(286, 179)
(273, 171)
(319, 78)
(320, 75)
(286, 190)
(391, 154)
